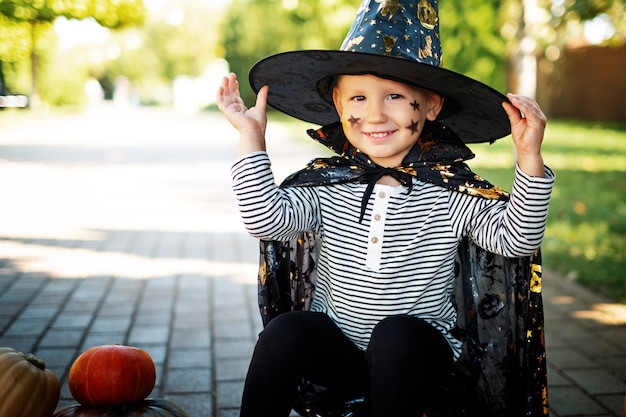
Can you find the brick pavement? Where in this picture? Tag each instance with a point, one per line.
(120, 227)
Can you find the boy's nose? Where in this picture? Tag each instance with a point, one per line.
(375, 112)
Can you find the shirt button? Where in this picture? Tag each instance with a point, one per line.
(374, 240)
(377, 216)
(382, 194)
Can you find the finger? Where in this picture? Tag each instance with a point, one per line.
(229, 90)
(519, 102)
(529, 109)
(512, 112)
(233, 83)
(261, 98)
(224, 87)
(219, 96)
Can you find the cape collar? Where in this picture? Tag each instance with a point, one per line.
(438, 157)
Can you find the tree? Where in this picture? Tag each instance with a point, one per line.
(178, 39)
(39, 16)
(14, 49)
(542, 28)
(471, 40)
(563, 15)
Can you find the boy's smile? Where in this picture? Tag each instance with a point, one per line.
(383, 118)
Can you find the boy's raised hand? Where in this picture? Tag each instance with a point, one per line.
(250, 122)
(528, 124)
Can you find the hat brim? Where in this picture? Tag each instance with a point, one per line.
(293, 77)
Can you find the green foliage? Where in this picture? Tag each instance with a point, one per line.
(153, 55)
(16, 77)
(15, 37)
(112, 14)
(254, 29)
(30, 11)
(169, 49)
(63, 85)
(574, 10)
(109, 13)
(26, 24)
(183, 49)
(14, 54)
(471, 40)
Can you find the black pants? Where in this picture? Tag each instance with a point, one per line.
(404, 362)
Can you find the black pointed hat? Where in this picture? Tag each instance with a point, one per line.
(393, 39)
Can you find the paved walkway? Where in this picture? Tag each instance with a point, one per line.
(120, 227)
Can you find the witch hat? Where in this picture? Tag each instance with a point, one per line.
(393, 39)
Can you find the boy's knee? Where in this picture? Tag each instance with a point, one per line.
(288, 329)
(396, 327)
(406, 336)
(283, 324)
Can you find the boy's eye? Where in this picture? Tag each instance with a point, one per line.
(389, 97)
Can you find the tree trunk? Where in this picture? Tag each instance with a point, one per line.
(526, 58)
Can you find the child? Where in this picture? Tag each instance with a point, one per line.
(390, 209)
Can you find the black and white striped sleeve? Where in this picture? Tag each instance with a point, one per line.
(267, 211)
(512, 229)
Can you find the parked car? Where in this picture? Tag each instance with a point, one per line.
(8, 100)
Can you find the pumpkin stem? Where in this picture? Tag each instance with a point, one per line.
(39, 363)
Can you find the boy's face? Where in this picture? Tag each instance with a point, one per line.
(383, 118)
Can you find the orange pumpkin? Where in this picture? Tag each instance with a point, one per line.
(148, 408)
(27, 388)
(112, 375)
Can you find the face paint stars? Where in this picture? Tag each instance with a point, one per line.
(414, 126)
(354, 120)
(415, 105)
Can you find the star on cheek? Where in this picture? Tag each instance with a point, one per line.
(354, 120)
(413, 126)
(415, 105)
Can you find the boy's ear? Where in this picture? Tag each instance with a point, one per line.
(435, 104)
(336, 101)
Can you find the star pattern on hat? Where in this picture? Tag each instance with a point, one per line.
(405, 29)
(355, 41)
(389, 8)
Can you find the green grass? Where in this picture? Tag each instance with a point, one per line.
(586, 233)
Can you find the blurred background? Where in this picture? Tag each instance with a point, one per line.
(76, 55)
(568, 53)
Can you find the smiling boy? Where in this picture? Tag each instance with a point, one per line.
(390, 209)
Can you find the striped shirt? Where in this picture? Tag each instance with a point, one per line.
(400, 258)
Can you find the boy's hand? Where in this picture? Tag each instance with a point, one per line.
(528, 124)
(250, 122)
